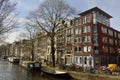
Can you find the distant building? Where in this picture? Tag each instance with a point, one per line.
(41, 46)
(25, 49)
(16, 48)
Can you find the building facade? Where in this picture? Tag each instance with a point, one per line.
(95, 42)
(89, 40)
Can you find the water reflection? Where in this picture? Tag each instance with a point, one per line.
(9, 71)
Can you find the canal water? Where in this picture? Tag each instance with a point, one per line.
(9, 71)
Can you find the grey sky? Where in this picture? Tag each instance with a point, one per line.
(112, 7)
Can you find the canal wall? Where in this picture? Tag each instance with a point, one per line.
(88, 76)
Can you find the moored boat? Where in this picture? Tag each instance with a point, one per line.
(34, 66)
(13, 59)
(31, 65)
(56, 74)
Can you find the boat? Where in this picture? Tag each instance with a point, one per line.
(36, 66)
(4, 57)
(56, 74)
(13, 59)
(31, 65)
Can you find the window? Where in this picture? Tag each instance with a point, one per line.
(96, 48)
(78, 39)
(83, 21)
(78, 48)
(119, 35)
(71, 31)
(85, 49)
(76, 22)
(88, 19)
(115, 34)
(112, 50)
(105, 40)
(119, 43)
(84, 38)
(68, 39)
(94, 17)
(71, 22)
(68, 60)
(75, 49)
(85, 60)
(95, 28)
(90, 60)
(111, 41)
(78, 31)
(80, 58)
(105, 49)
(95, 39)
(86, 29)
(79, 22)
(68, 32)
(104, 30)
(116, 42)
(110, 32)
(89, 48)
(76, 59)
(88, 38)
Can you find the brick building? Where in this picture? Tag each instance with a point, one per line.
(95, 42)
(90, 40)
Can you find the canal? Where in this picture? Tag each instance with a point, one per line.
(9, 71)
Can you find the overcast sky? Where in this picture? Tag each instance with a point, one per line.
(110, 6)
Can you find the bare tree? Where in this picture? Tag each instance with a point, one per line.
(30, 34)
(21, 36)
(7, 16)
(48, 17)
(3, 49)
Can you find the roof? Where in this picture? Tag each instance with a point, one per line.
(95, 9)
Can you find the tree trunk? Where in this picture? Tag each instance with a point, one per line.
(53, 52)
(32, 52)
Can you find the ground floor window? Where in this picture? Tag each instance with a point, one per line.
(68, 60)
(90, 61)
(76, 59)
(81, 60)
(85, 60)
